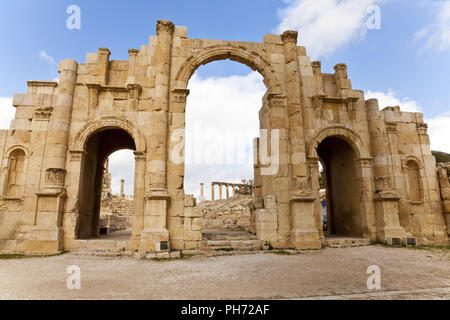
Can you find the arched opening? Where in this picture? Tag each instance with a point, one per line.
(415, 189)
(343, 216)
(98, 147)
(221, 123)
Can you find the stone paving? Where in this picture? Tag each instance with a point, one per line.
(332, 273)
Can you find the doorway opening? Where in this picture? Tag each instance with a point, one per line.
(342, 191)
(104, 212)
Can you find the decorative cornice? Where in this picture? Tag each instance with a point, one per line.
(50, 84)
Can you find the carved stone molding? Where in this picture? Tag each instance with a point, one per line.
(77, 155)
(382, 184)
(391, 127)
(180, 95)
(422, 128)
(276, 100)
(133, 91)
(43, 113)
(93, 94)
(140, 156)
(55, 176)
(364, 162)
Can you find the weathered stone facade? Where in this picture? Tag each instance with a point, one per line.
(52, 158)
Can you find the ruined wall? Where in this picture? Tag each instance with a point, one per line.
(443, 173)
(232, 214)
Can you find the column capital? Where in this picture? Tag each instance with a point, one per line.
(165, 26)
(132, 52)
(289, 36)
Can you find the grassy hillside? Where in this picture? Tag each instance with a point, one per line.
(441, 156)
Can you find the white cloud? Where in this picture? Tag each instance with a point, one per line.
(7, 112)
(437, 35)
(439, 132)
(44, 56)
(438, 128)
(390, 100)
(326, 25)
(121, 166)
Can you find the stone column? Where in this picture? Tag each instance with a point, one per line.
(295, 113)
(212, 191)
(227, 187)
(220, 192)
(157, 198)
(122, 187)
(386, 199)
(202, 192)
(297, 220)
(138, 199)
(52, 193)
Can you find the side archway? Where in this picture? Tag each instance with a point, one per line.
(341, 152)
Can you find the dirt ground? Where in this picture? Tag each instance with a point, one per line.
(320, 274)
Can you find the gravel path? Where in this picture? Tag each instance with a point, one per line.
(322, 273)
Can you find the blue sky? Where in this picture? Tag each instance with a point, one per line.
(384, 59)
(406, 61)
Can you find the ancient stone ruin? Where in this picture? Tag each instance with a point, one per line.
(116, 211)
(381, 176)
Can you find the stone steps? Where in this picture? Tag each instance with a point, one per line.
(233, 245)
(347, 242)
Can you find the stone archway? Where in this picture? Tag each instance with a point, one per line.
(234, 53)
(120, 127)
(274, 102)
(345, 158)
